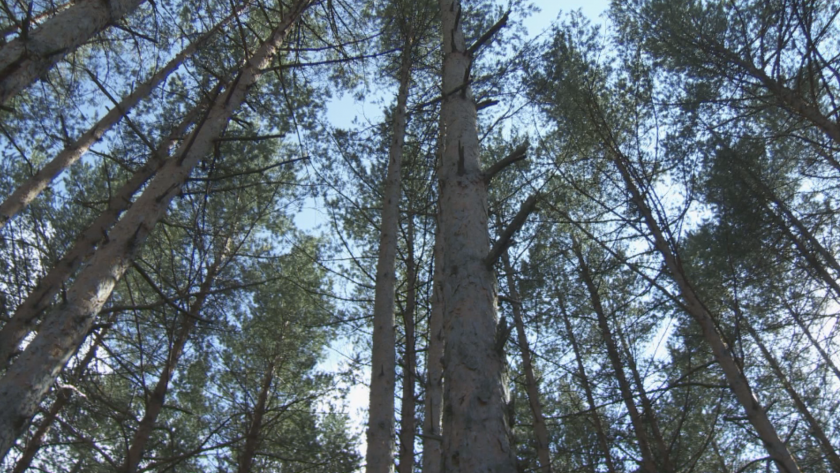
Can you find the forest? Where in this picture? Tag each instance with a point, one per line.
(610, 247)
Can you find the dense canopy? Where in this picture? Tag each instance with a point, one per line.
(608, 247)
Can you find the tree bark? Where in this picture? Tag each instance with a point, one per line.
(540, 429)
(18, 26)
(434, 368)
(590, 399)
(29, 190)
(61, 400)
(381, 436)
(25, 59)
(648, 463)
(476, 434)
(26, 382)
(22, 321)
(755, 413)
(408, 403)
(154, 404)
(252, 437)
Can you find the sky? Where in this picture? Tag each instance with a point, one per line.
(342, 111)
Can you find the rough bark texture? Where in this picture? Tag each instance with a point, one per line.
(154, 404)
(476, 435)
(26, 382)
(540, 429)
(434, 369)
(61, 400)
(590, 398)
(407, 413)
(753, 410)
(613, 354)
(29, 190)
(25, 316)
(25, 59)
(381, 436)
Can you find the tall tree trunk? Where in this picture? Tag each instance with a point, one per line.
(252, 437)
(27, 23)
(380, 435)
(476, 435)
(755, 413)
(408, 403)
(613, 354)
(434, 368)
(22, 321)
(823, 354)
(29, 190)
(816, 429)
(540, 429)
(649, 415)
(61, 400)
(154, 404)
(26, 382)
(25, 59)
(590, 398)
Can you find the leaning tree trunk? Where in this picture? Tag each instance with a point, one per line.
(61, 400)
(434, 368)
(154, 404)
(613, 354)
(252, 436)
(25, 59)
(380, 435)
(649, 415)
(540, 429)
(755, 413)
(29, 190)
(65, 328)
(816, 429)
(27, 23)
(590, 398)
(476, 435)
(22, 321)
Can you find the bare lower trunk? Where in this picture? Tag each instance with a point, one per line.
(408, 403)
(29, 190)
(25, 316)
(434, 369)
(540, 429)
(648, 463)
(476, 434)
(755, 413)
(154, 404)
(380, 435)
(25, 59)
(64, 329)
(816, 429)
(590, 398)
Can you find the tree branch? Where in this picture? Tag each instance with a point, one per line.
(489, 34)
(516, 155)
(505, 237)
